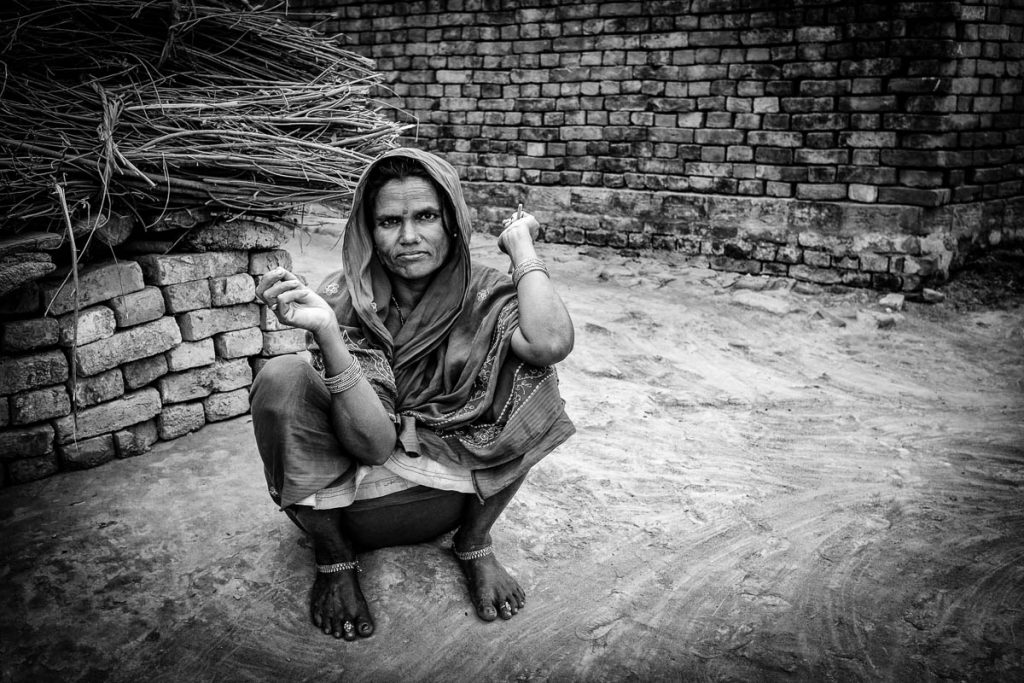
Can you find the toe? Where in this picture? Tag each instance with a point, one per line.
(348, 631)
(506, 611)
(365, 629)
(487, 611)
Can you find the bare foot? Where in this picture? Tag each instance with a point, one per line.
(492, 590)
(337, 606)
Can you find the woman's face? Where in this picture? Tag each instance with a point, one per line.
(408, 229)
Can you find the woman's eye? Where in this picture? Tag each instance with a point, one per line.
(428, 216)
(387, 222)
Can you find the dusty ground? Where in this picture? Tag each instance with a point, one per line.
(766, 485)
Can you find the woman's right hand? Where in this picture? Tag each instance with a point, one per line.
(294, 303)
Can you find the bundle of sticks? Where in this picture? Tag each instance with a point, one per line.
(154, 105)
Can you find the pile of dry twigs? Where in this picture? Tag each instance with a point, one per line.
(153, 105)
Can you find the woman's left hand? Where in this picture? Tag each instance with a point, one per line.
(521, 229)
(294, 303)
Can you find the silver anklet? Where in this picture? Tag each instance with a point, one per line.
(474, 554)
(338, 567)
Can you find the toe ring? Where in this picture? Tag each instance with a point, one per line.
(474, 554)
(338, 567)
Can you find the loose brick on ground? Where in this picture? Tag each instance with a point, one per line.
(33, 469)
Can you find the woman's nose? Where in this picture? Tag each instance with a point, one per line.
(407, 233)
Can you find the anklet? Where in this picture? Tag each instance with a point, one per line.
(338, 567)
(474, 554)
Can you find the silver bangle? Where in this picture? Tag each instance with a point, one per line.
(344, 380)
(338, 567)
(525, 267)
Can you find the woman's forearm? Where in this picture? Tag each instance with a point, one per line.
(360, 421)
(545, 335)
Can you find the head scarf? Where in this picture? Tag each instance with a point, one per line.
(439, 350)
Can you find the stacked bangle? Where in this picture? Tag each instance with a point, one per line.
(525, 267)
(338, 567)
(344, 380)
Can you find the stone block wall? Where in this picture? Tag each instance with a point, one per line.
(808, 108)
(161, 345)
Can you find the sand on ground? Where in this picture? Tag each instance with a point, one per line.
(767, 483)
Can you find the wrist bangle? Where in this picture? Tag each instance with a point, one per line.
(525, 267)
(344, 380)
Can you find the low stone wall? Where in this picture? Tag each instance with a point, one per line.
(161, 345)
(886, 247)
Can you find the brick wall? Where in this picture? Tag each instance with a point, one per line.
(806, 111)
(162, 344)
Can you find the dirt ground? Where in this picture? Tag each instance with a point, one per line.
(768, 483)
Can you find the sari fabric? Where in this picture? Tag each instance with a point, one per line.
(455, 390)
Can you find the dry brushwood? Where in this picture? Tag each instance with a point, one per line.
(151, 106)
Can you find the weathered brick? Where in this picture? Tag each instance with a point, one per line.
(136, 439)
(822, 276)
(99, 388)
(93, 324)
(110, 416)
(180, 419)
(172, 269)
(33, 469)
(207, 322)
(141, 372)
(85, 453)
(239, 233)
(5, 412)
(96, 283)
(284, 341)
(40, 404)
(29, 335)
(233, 289)
(19, 373)
(188, 355)
(187, 296)
(138, 307)
(269, 321)
(183, 386)
(224, 405)
(239, 343)
(265, 261)
(127, 345)
(232, 374)
(28, 442)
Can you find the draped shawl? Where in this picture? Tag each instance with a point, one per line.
(449, 379)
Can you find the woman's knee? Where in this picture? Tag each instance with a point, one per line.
(285, 383)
